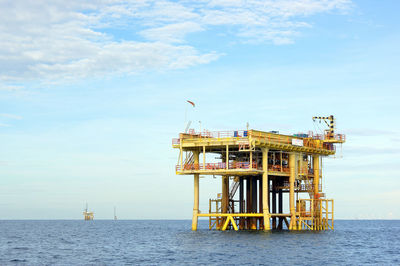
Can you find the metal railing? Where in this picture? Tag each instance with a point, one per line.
(222, 134)
(307, 187)
(217, 166)
(301, 186)
(311, 142)
(341, 137)
(278, 168)
(212, 134)
(315, 214)
(286, 169)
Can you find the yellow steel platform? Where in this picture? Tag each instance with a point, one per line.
(261, 167)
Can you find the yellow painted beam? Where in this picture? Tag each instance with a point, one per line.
(204, 157)
(292, 168)
(230, 172)
(196, 194)
(230, 214)
(221, 143)
(225, 224)
(316, 174)
(234, 223)
(259, 138)
(225, 194)
(229, 219)
(265, 190)
(227, 157)
(317, 207)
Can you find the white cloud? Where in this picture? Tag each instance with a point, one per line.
(9, 87)
(58, 40)
(124, 57)
(11, 116)
(172, 32)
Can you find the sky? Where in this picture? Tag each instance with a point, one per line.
(92, 93)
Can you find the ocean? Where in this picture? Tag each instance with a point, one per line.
(168, 242)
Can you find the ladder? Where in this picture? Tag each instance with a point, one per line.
(189, 160)
(309, 186)
(232, 193)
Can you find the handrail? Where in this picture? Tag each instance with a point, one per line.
(301, 186)
(217, 166)
(217, 134)
(222, 134)
(313, 141)
(341, 137)
(277, 168)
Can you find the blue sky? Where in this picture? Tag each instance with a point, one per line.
(91, 94)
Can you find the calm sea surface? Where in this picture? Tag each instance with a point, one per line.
(172, 242)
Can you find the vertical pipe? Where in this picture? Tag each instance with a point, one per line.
(269, 196)
(227, 157)
(312, 214)
(260, 203)
(320, 215)
(248, 201)
(316, 174)
(196, 193)
(241, 202)
(316, 188)
(224, 200)
(181, 150)
(265, 191)
(251, 160)
(250, 209)
(280, 204)
(204, 158)
(209, 211)
(227, 199)
(333, 220)
(254, 202)
(292, 168)
(218, 219)
(274, 202)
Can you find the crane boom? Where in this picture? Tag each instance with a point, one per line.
(331, 123)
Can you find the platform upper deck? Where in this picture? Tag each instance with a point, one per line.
(252, 139)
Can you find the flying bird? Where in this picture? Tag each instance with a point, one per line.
(192, 103)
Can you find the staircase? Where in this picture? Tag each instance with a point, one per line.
(189, 160)
(309, 186)
(232, 193)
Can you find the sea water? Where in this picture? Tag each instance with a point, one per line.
(167, 242)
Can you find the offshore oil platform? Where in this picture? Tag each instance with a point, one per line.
(262, 167)
(87, 215)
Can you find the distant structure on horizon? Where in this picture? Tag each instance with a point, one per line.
(88, 216)
(262, 166)
(115, 213)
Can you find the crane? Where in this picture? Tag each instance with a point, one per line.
(330, 133)
(331, 123)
